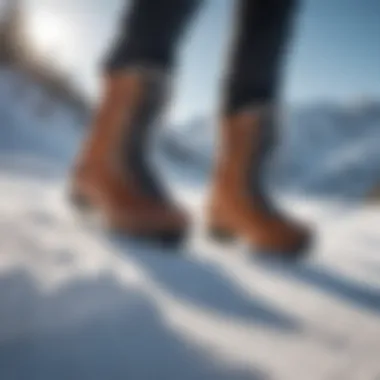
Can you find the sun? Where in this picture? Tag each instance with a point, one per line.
(47, 31)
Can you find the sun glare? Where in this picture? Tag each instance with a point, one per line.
(47, 31)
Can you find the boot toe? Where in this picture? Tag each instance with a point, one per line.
(293, 243)
(165, 226)
(302, 245)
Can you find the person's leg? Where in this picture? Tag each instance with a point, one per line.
(147, 43)
(257, 57)
(239, 204)
(112, 172)
(255, 73)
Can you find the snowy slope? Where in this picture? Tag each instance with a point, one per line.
(77, 304)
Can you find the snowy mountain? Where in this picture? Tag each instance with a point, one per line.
(334, 149)
(78, 304)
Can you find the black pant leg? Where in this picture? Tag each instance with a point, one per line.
(150, 32)
(261, 34)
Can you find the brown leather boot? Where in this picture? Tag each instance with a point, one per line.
(238, 206)
(112, 175)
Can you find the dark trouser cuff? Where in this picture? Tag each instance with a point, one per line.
(150, 34)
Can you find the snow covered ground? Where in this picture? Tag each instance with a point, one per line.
(78, 304)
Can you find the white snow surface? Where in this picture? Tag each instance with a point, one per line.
(78, 304)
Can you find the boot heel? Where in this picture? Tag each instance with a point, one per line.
(87, 213)
(221, 235)
(80, 202)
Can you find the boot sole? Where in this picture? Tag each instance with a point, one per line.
(224, 236)
(169, 239)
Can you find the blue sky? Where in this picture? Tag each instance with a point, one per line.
(334, 55)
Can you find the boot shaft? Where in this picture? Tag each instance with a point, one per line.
(247, 140)
(131, 102)
(120, 135)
